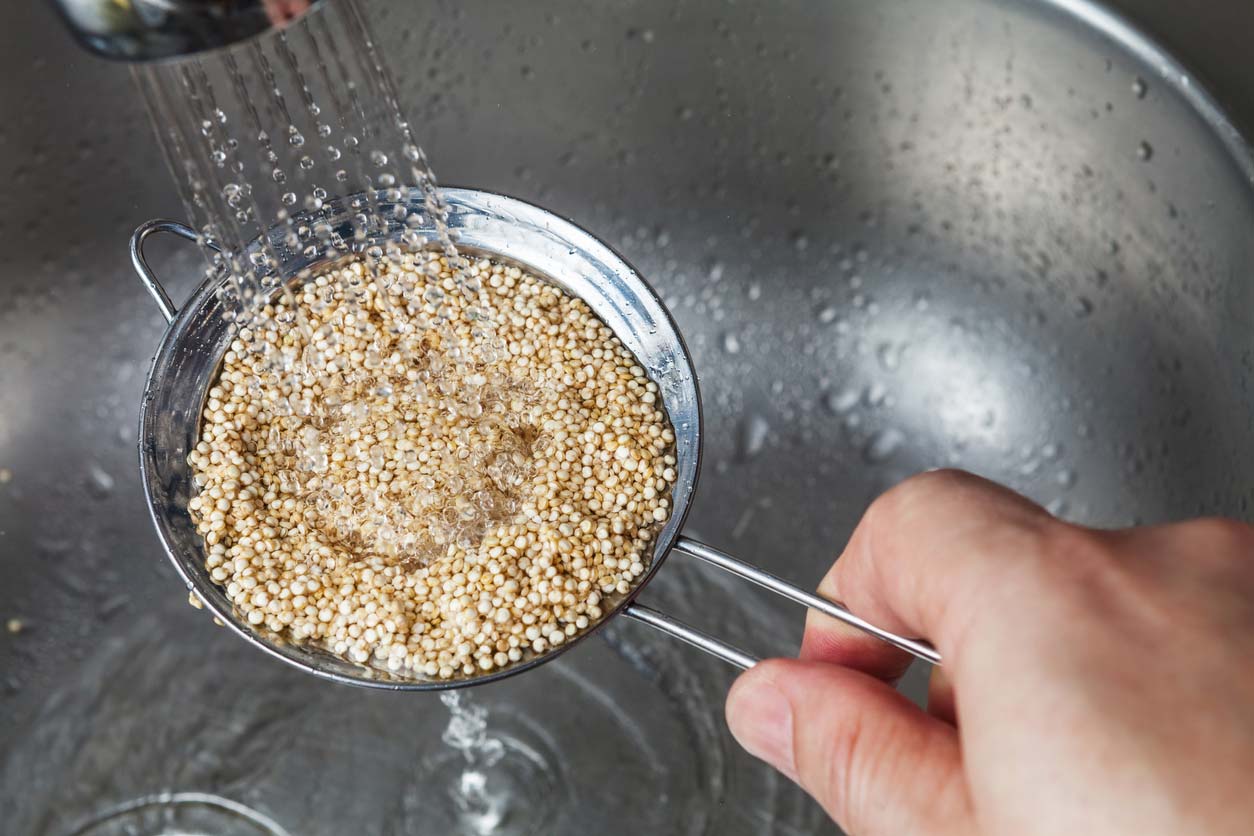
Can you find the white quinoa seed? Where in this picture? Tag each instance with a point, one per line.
(440, 480)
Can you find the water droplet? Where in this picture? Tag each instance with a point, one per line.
(296, 139)
(1066, 477)
(881, 446)
(875, 393)
(754, 430)
(755, 292)
(99, 482)
(1084, 306)
(378, 158)
(844, 400)
(289, 198)
(1145, 151)
(827, 314)
(731, 342)
(1140, 88)
(278, 175)
(889, 355)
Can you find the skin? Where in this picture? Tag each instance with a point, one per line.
(283, 12)
(1093, 681)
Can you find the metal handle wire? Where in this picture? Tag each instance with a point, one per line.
(138, 237)
(716, 647)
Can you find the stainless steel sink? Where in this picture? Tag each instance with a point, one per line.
(1008, 236)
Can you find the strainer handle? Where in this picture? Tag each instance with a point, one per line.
(686, 545)
(146, 275)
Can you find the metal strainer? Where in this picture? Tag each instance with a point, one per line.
(485, 224)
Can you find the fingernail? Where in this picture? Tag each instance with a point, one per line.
(760, 718)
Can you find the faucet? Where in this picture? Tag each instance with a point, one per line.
(148, 30)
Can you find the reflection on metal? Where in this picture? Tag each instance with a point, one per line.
(146, 30)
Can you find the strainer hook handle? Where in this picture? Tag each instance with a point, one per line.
(716, 647)
(141, 234)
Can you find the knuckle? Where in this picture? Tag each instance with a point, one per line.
(919, 490)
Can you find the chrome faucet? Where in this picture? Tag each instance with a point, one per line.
(147, 30)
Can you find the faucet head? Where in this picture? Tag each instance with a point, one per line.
(148, 30)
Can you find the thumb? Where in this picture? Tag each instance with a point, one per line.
(876, 762)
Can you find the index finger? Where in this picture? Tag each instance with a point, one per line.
(925, 556)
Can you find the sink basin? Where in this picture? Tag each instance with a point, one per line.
(1012, 237)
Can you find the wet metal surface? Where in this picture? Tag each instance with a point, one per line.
(895, 235)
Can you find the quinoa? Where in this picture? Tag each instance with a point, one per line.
(432, 474)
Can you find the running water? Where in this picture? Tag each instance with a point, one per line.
(298, 142)
(478, 808)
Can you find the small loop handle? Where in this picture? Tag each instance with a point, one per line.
(145, 273)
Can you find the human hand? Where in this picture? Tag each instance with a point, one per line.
(1093, 681)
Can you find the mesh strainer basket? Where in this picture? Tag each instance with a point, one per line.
(485, 224)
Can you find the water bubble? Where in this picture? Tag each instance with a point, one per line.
(278, 175)
(378, 158)
(289, 198)
(341, 175)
